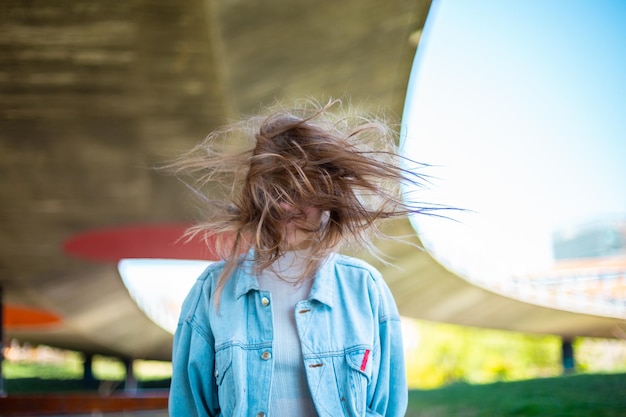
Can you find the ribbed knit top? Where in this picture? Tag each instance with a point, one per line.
(289, 394)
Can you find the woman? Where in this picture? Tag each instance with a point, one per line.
(284, 325)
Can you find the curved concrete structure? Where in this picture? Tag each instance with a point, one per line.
(426, 290)
(94, 97)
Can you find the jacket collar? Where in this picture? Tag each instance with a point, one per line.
(244, 275)
(323, 283)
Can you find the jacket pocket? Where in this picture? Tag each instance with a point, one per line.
(224, 380)
(361, 361)
(359, 372)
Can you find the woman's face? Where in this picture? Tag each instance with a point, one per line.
(296, 238)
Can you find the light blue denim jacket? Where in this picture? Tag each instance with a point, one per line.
(349, 329)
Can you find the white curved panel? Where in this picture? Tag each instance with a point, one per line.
(519, 106)
(159, 286)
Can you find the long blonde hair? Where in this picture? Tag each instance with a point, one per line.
(332, 157)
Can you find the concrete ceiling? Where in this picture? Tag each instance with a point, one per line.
(95, 95)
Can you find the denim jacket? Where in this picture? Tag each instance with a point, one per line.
(349, 330)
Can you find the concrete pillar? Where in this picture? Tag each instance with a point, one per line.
(88, 378)
(567, 356)
(131, 381)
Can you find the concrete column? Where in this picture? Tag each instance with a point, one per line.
(131, 381)
(567, 356)
(88, 378)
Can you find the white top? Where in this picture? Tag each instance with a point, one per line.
(289, 394)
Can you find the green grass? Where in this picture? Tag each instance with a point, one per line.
(28, 377)
(42, 385)
(595, 395)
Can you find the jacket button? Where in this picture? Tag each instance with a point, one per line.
(265, 301)
(260, 414)
(266, 355)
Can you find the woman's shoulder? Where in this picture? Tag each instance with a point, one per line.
(355, 266)
(352, 272)
(203, 287)
(211, 272)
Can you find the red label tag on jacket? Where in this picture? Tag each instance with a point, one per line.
(364, 361)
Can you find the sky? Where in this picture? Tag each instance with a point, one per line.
(520, 108)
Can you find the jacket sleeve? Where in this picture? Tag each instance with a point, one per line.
(193, 391)
(388, 393)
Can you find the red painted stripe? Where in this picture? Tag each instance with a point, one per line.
(164, 241)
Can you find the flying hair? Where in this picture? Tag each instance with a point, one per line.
(330, 156)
